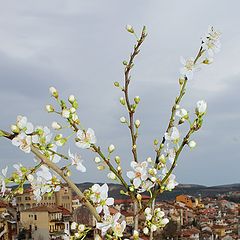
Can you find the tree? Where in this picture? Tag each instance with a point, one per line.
(153, 175)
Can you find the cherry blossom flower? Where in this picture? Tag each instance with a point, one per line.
(173, 135)
(211, 43)
(85, 138)
(100, 197)
(24, 125)
(76, 161)
(182, 113)
(188, 67)
(110, 221)
(139, 174)
(23, 142)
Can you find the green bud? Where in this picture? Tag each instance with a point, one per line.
(116, 84)
(15, 129)
(71, 98)
(117, 160)
(155, 142)
(58, 137)
(125, 63)
(130, 28)
(181, 80)
(131, 188)
(75, 104)
(161, 146)
(2, 134)
(134, 106)
(122, 101)
(53, 92)
(137, 99)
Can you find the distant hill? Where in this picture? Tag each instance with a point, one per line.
(188, 189)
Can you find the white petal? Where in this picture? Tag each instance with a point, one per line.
(131, 174)
(137, 182)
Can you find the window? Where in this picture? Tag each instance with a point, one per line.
(35, 228)
(35, 217)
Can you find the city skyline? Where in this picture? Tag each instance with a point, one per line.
(79, 47)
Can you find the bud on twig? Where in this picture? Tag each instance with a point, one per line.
(130, 28)
(49, 108)
(53, 92)
(71, 98)
(111, 148)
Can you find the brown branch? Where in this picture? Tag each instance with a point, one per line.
(127, 79)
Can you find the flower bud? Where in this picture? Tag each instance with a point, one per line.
(71, 98)
(122, 101)
(100, 167)
(111, 148)
(119, 169)
(139, 197)
(61, 142)
(162, 159)
(201, 108)
(49, 108)
(72, 110)
(181, 80)
(53, 92)
(111, 176)
(192, 144)
(155, 142)
(207, 61)
(146, 230)
(97, 160)
(149, 160)
(137, 99)
(65, 113)
(15, 129)
(56, 126)
(75, 104)
(117, 160)
(130, 28)
(116, 84)
(125, 63)
(58, 137)
(81, 227)
(131, 188)
(123, 120)
(137, 123)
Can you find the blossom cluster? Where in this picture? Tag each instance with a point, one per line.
(154, 220)
(99, 197)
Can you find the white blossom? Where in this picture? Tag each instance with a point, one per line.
(23, 142)
(85, 138)
(100, 197)
(188, 67)
(173, 135)
(76, 161)
(139, 174)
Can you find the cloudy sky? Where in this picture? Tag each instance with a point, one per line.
(79, 46)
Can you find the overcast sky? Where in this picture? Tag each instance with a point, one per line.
(79, 46)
